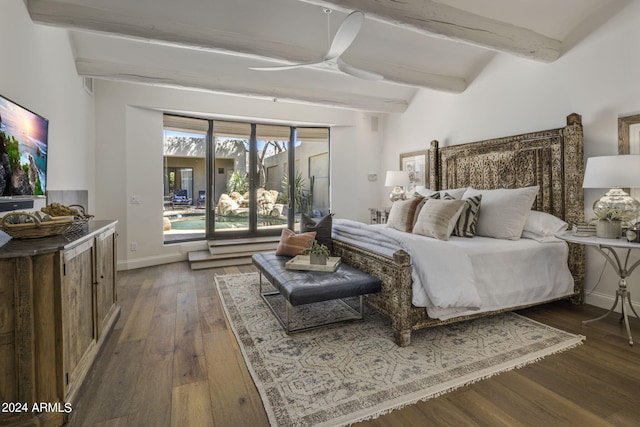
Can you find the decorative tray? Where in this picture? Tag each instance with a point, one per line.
(301, 262)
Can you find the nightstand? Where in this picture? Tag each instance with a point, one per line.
(379, 216)
(607, 247)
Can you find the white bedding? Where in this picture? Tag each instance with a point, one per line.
(470, 275)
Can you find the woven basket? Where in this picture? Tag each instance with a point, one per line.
(79, 222)
(38, 229)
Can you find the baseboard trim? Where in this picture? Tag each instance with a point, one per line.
(224, 262)
(132, 264)
(605, 301)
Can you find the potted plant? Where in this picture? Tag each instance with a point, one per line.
(318, 253)
(609, 221)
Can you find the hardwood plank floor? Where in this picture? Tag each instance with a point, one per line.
(172, 360)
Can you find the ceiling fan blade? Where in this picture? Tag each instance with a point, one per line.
(345, 35)
(280, 67)
(357, 72)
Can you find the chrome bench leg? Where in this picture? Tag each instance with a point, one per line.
(357, 315)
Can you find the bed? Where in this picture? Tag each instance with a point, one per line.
(549, 160)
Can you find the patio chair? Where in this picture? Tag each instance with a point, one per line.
(202, 197)
(180, 197)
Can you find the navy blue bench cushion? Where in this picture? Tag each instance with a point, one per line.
(305, 287)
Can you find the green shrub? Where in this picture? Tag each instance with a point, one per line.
(237, 181)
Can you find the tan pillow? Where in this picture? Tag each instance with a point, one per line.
(420, 205)
(438, 217)
(402, 214)
(292, 244)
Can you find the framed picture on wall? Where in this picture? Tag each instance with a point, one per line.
(417, 164)
(629, 142)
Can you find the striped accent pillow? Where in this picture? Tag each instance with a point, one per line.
(292, 244)
(466, 225)
(403, 213)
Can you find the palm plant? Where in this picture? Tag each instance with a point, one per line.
(299, 192)
(238, 182)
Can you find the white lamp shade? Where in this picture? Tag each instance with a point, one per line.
(396, 179)
(612, 172)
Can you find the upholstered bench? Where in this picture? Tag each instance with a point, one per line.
(306, 287)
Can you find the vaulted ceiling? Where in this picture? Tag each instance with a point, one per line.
(212, 44)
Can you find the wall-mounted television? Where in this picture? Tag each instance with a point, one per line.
(23, 151)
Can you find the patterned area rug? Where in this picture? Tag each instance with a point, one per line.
(348, 372)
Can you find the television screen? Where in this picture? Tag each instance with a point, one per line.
(23, 151)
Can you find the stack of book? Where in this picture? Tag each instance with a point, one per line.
(583, 228)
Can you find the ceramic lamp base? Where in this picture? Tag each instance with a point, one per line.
(396, 194)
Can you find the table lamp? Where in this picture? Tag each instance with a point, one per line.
(615, 173)
(398, 180)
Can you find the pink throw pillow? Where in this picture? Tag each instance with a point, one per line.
(292, 244)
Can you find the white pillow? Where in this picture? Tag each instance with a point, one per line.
(426, 192)
(503, 212)
(542, 226)
(438, 217)
(456, 193)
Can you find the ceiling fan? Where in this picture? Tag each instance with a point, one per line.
(344, 37)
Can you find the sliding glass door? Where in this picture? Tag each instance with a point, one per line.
(250, 162)
(184, 178)
(258, 179)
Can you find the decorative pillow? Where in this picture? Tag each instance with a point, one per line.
(292, 244)
(434, 195)
(456, 193)
(438, 217)
(466, 225)
(542, 226)
(504, 211)
(426, 192)
(402, 214)
(322, 228)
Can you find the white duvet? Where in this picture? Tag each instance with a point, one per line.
(470, 275)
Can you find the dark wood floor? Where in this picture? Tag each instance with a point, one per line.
(172, 360)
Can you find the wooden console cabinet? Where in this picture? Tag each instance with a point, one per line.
(58, 303)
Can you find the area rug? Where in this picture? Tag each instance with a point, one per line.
(349, 372)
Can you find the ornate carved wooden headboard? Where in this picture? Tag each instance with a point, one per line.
(552, 159)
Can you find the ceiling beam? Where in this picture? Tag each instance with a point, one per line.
(125, 24)
(440, 20)
(164, 77)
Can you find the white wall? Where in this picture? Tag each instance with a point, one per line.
(598, 78)
(356, 153)
(129, 149)
(38, 73)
